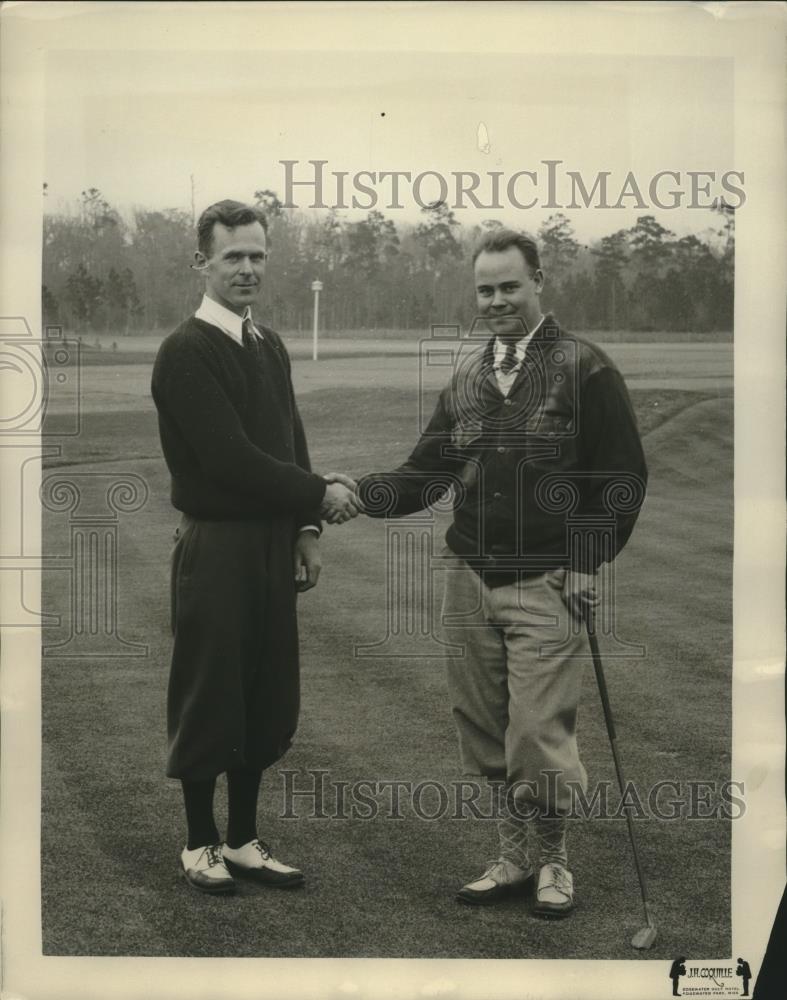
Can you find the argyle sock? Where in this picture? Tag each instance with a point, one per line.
(550, 837)
(513, 833)
(198, 800)
(243, 786)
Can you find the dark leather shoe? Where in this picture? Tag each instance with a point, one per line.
(501, 880)
(254, 861)
(204, 869)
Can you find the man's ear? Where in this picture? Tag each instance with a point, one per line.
(200, 261)
(538, 277)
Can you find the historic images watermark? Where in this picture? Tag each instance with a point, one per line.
(413, 547)
(317, 794)
(41, 412)
(34, 368)
(551, 185)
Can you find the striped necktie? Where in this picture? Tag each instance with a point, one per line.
(509, 359)
(249, 337)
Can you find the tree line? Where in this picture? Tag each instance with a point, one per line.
(102, 272)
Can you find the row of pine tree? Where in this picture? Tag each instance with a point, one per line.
(105, 273)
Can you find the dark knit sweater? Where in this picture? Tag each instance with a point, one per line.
(230, 430)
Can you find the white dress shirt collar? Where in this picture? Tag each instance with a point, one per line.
(521, 347)
(211, 311)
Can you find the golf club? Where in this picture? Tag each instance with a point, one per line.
(645, 937)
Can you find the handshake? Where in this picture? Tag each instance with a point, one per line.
(340, 502)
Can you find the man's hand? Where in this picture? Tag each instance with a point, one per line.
(579, 594)
(339, 477)
(340, 503)
(307, 561)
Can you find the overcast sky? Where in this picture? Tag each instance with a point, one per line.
(137, 125)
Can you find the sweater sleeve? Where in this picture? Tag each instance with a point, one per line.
(615, 476)
(420, 480)
(310, 518)
(191, 391)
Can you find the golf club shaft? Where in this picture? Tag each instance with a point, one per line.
(610, 722)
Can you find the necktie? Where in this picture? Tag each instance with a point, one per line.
(249, 336)
(509, 359)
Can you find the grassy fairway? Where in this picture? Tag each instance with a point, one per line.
(112, 824)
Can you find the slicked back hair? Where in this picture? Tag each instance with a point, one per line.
(498, 240)
(230, 214)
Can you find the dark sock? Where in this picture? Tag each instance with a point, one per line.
(243, 786)
(198, 799)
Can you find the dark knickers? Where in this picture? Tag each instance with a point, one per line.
(233, 694)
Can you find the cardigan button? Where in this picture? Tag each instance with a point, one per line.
(498, 496)
(507, 402)
(501, 451)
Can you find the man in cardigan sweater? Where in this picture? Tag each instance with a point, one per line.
(536, 435)
(248, 541)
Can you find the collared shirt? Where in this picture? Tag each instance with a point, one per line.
(506, 379)
(225, 319)
(211, 311)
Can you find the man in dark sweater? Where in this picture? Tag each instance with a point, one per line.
(248, 541)
(536, 435)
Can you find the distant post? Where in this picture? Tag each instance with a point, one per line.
(316, 288)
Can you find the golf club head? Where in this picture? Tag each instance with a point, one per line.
(644, 938)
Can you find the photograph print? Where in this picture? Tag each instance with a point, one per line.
(390, 432)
